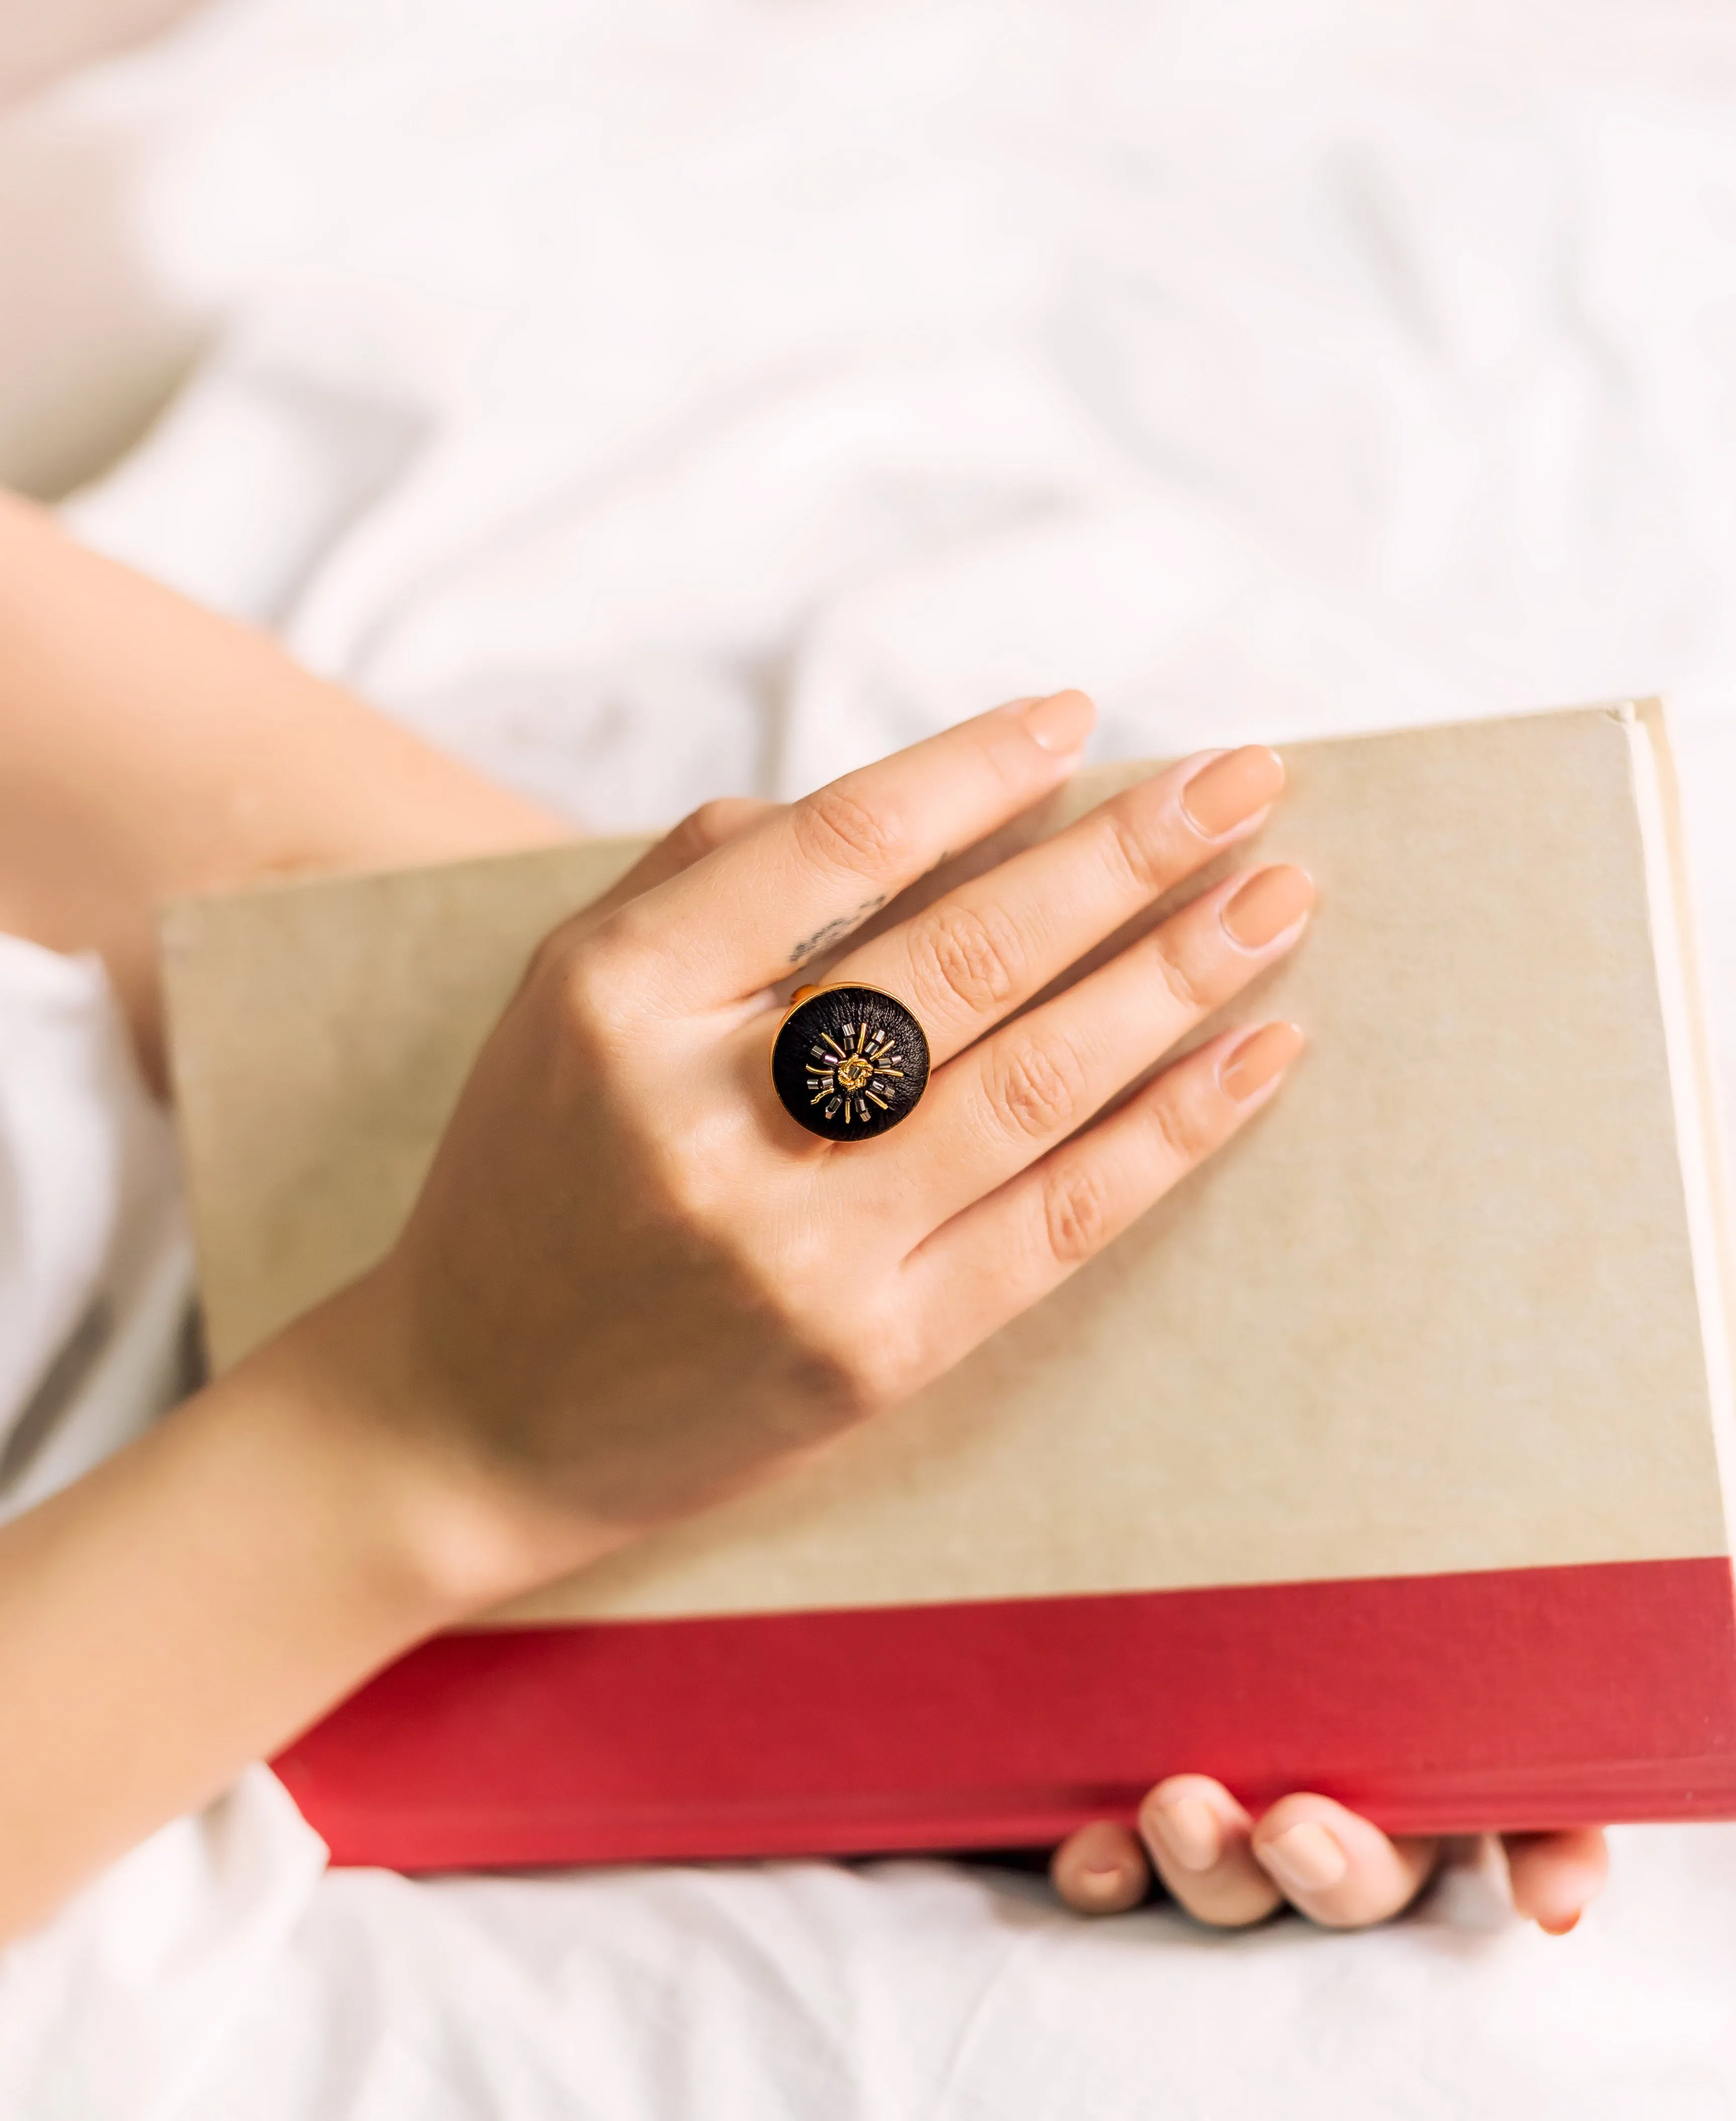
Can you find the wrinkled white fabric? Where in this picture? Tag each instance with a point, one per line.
(95, 1267)
(648, 401)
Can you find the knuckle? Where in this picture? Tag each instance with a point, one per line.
(966, 956)
(834, 827)
(1037, 1088)
(862, 1372)
(1076, 1217)
(1186, 990)
(598, 976)
(1134, 862)
(1183, 1127)
(705, 829)
(550, 963)
(878, 1378)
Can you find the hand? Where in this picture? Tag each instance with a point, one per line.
(633, 1284)
(1230, 1870)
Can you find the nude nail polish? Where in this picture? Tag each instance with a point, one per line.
(1061, 722)
(1228, 789)
(1259, 1059)
(1305, 1858)
(1190, 1831)
(1268, 903)
(1104, 1881)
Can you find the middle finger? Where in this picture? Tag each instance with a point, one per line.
(985, 950)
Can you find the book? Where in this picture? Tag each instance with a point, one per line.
(1390, 1457)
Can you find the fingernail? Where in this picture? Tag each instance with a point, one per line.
(1104, 1881)
(1260, 1059)
(1061, 722)
(1305, 1858)
(1188, 1830)
(1271, 901)
(1231, 788)
(1560, 1928)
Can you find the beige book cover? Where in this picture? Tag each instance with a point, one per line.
(1452, 1308)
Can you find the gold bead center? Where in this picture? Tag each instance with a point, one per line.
(854, 1073)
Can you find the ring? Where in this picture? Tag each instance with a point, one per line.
(849, 1062)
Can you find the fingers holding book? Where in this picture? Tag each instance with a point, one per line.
(1308, 1854)
(1555, 1876)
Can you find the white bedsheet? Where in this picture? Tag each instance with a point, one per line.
(651, 400)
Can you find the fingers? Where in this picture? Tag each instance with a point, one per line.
(1556, 1877)
(1336, 1869)
(998, 1107)
(1000, 1256)
(995, 1112)
(1308, 1853)
(1201, 1841)
(985, 950)
(1100, 1869)
(1326, 1863)
(798, 882)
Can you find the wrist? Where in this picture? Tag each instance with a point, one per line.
(446, 1533)
(219, 1584)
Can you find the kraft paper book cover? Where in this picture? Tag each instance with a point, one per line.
(1388, 1457)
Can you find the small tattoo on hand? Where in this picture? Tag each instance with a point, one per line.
(835, 931)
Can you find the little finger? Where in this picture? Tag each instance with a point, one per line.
(996, 1108)
(999, 1257)
(1556, 1877)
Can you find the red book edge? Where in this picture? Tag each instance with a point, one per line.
(1515, 1698)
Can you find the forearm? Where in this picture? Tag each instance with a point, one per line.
(199, 1598)
(148, 750)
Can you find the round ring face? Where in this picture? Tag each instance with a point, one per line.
(849, 1062)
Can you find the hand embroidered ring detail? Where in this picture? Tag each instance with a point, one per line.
(849, 1062)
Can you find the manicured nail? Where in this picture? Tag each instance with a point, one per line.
(1305, 1858)
(1190, 1831)
(1061, 722)
(1230, 789)
(1270, 902)
(1104, 1881)
(1260, 1059)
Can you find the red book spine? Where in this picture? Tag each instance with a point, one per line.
(1514, 1698)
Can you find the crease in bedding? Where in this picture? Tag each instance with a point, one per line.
(707, 395)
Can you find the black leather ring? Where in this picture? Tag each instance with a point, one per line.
(849, 1062)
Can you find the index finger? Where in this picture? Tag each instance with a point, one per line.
(757, 910)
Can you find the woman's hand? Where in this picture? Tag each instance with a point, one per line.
(1308, 1853)
(633, 1284)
